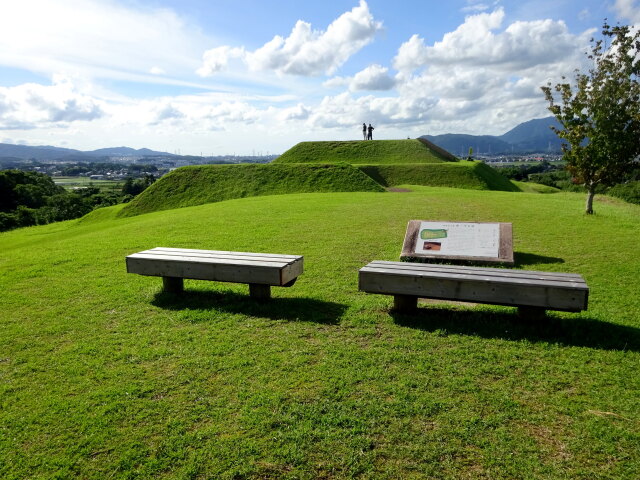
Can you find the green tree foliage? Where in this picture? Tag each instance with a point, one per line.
(31, 198)
(134, 187)
(29, 189)
(600, 113)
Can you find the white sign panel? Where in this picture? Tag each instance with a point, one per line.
(458, 239)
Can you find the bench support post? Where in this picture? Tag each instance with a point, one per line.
(531, 313)
(405, 303)
(173, 284)
(259, 291)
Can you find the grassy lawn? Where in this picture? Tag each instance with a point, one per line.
(103, 376)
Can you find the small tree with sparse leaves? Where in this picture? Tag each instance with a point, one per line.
(600, 114)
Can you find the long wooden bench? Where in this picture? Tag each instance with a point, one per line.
(533, 292)
(260, 270)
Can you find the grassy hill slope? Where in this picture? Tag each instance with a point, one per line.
(196, 185)
(103, 376)
(462, 174)
(361, 152)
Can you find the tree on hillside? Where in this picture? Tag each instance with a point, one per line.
(600, 114)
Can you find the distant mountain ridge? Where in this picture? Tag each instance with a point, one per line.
(48, 153)
(534, 136)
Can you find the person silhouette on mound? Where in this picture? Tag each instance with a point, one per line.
(364, 131)
(370, 135)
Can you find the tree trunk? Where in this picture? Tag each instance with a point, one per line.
(590, 194)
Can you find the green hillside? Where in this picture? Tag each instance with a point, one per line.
(188, 186)
(462, 174)
(361, 152)
(103, 376)
(422, 165)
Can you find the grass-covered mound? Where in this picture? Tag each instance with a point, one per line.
(102, 376)
(188, 186)
(363, 152)
(463, 174)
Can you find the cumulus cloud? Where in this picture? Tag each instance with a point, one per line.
(217, 59)
(166, 111)
(476, 43)
(299, 112)
(305, 52)
(374, 77)
(481, 77)
(33, 105)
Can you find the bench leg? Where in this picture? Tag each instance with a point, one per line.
(405, 303)
(259, 291)
(531, 313)
(173, 284)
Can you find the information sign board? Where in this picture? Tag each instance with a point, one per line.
(458, 241)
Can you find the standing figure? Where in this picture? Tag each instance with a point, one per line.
(364, 131)
(370, 136)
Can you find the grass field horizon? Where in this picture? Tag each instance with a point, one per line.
(104, 376)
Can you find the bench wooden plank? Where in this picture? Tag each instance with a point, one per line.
(469, 269)
(210, 260)
(238, 272)
(407, 282)
(502, 279)
(260, 271)
(223, 253)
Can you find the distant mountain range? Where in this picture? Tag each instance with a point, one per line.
(49, 153)
(528, 137)
(531, 136)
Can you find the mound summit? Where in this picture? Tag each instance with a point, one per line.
(366, 152)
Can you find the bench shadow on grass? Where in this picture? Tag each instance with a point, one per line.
(522, 258)
(577, 332)
(291, 309)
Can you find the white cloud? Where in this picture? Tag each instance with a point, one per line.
(476, 7)
(374, 77)
(628, 9)
(305, 51)
(299, 112)
(336, 82)
(96, 38)
(217, 59)
(32, 105)
(166, 112)
(476, 43)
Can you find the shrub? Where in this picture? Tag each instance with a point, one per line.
(629, 192)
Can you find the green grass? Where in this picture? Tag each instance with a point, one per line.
(188, 186)
(361, 152)
(103, 376)
(462, 174)
(531, 187)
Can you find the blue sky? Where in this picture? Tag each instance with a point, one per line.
(238, 76)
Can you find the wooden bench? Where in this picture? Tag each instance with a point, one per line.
(259, 270)
(532, 292)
